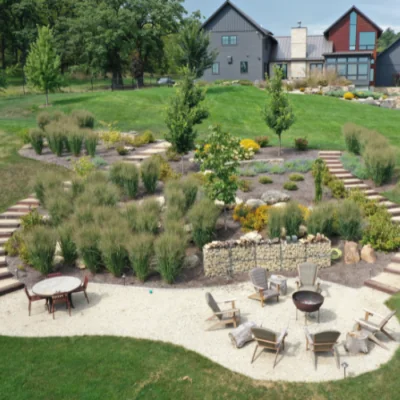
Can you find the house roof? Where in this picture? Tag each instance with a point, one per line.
(358, 11)
(350, 53)
(250, 20)
(317, 45)
(389, 47)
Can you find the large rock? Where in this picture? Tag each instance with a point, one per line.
(191, 262)
(254, 203)
(274, 196)
(351, 254)
(252, 237)
(388, 103)
(368, 254)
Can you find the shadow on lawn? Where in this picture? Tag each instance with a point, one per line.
(72, 100)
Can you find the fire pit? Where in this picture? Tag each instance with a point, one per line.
(308, 302)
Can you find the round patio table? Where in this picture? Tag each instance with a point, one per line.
(59, 284)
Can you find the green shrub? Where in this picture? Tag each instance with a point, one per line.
(277, 169)
(59, 205)
(36, 140)
(55, 139)
(13, 244)
(126, 176)
(244, 185)
(88, 242)
(349, 220)
(296, 177)
(322, 219)
(262, 141)
(99, 162)
(337, 188)
(43, 119)
(44, 182)
(99, 194)
(335, 93)
(75, 142)
(172, 154)
(174, 196)
(97, 177)
(292, 218)
(352, 135)
(190, 188)
(83, 166)
(247, 171)
(31, 220)
(275, 222)
(318, 171)
(148, 217)
(122, 150)
(84, 119)
(77, 187)
(301, 144)
(68, 247)
(57, 115)
(150, 170)
(174, 225)
(368, 207)
(170, 254)
(380, 164)
(41, 245)
(265, 180)
(290, 186)
(83, 215)
(203, 217)
(141, 251)
(299, 165)
(91, 140)
(113, 249)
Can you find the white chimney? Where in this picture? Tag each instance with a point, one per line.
(299, 42)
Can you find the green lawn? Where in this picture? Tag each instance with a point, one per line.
(93, 368)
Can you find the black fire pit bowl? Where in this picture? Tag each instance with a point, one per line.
(307, 301)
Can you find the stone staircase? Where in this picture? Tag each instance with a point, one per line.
(159, 147)
(9, 223)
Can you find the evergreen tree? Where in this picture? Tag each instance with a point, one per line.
(278, 114)
(43, 64)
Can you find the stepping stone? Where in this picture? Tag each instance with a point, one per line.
(338, 171)
(389, 204)
(351, 181)
(375, 197)
(3, 261)
(3, 241)
(388, 279)
(13, 214)
(23, 208)
(396, 220)
(394, 211)
(382, 287)
(9, 223)
(10, 285)
(329, 153)
(7, 232)
(334, 164)
(151, 151)
(356, 186)
(5, 273)
(393, 268)
(162, 144)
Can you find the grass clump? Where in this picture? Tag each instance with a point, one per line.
(45, 183)
(296, 177)
(150, 171)
(275, 222)
(55, 134)
(141, 251)
(83, 118)
(36, 140)
(265, 180)
(322, 219)
(99, 194)
(43, 119)
(203, 217)
(68, 247)
(91, 140)
(75, 142)
(380, 164)
(349, 219)
(290, 186)
(88, 242)
(352, 135)
(292, 218)
(60, 206)
(301, 165)
(113, 249)
(126, 176)
(144, 218)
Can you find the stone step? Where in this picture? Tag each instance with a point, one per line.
(330, 156)
(388, 279)
(333, 161)
(2, 251)
(389, 204)
(3, 261)
(329, 153)
(5, 273)
(373, 284)
(3, 241)
(375, 197)
(356, 186)
(10, 223)
(13, 214)
(151, 151)
(394, 211)
(29, 201)
(9, 285)
(22, 208)
(352, 181)
(161, 144)
(396, 220)
(396, 258)
(335, 170)
(369, 191)
(393, 268)
(344, 176)
(7, 232)
(136, 157)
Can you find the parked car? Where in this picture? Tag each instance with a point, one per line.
(166, 81)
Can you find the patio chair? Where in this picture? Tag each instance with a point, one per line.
(259, 279)
(322, 342)
(54, 275)
(60, 298)
(307, 279)
(224, 317)
(33, 297)
(83, 288)
(375, 327)
(268, 340)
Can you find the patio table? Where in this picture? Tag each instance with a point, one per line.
(60, 284)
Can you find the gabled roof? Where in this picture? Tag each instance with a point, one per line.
(317, 45)
(389, 47)
(354, 8)
(251, 21)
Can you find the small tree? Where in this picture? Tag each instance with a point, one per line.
(318, 174)
(43, 64)
(278, 114)
(183, 113)
(221, 155)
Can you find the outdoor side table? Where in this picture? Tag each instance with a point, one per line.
(357, 342)
(280, 280)
(242, 334)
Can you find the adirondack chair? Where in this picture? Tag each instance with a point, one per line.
(259, 279)
(268, 340)
(322, 342)
(375, 327)
(307, 279)
(224, 317)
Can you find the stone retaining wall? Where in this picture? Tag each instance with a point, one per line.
(227, 258)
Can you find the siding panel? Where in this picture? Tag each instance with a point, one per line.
(229, 20)
(388, 64)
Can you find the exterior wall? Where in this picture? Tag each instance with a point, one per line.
(229, 20)
(388, 65)
(298, 69)
(289, 67)
(299, 43)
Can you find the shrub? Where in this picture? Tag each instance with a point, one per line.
(290, 186)
(380, 164)
(170, 253)
(83, 215)
(349, 96)
(349, 220)
(43, 119)
(55, 138)
(166, 171)
(262, 141)
(57, 115)
(83, 167)
(299, 165)
(250, 144)
(277, 169)
(75, 142)
(41, 245)
(36, 140)
(368, 207)
(352, 135)
(77, 187)
(99, 162)
(97, 177)
(99, 194)
(113, 249)
(150, 171)
(190, 188)
(318, 170)
(245, 82)
(44, 182)
(141, 251)
(322, 219)
(126, 176)
(251, 219)
(244, 185)
(302, 89)
(247, 171)
(174, 196)
(88, 241)
(203, 216)
(59, 205)
(172, 154)
(15, 245)
(301, 144)
(337, 188)
(353, 163)
(265, 180)
(122, 151)
(292, 218)
(31, 220)
(68, 247)
(275, 222)
(144, 218)
(296, 177)
(91, 140)
(84, 119)
(111, 136)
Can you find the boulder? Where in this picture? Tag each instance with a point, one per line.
(254, 203)
(370, 101)
(388, 103)
(238, 201)
(279, 205)
(252, 237)
(191, 262)
(351, 254)
(188, 228)
(80, 264)
(161, 201)
(368, 254)
(274, 196)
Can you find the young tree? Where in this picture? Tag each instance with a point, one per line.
(278, 114)
(221, 155)
(184, 112)
(3, 80)
(43, 64)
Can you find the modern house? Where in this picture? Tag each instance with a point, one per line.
(388, 66)
(247, 50)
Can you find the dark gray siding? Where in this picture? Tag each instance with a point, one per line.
(229, 20)
(388, 65)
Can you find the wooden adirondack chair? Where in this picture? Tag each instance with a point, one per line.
(259, 279)
(308, 277)
(224, 317)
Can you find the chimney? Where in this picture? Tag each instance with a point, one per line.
(299, 42)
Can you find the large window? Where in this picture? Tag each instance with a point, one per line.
(316, 67)
(367, 41)
(283, 67)
(353, 31)
(352, 68)
(229, 40)
(215, 68)
(244, 67)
